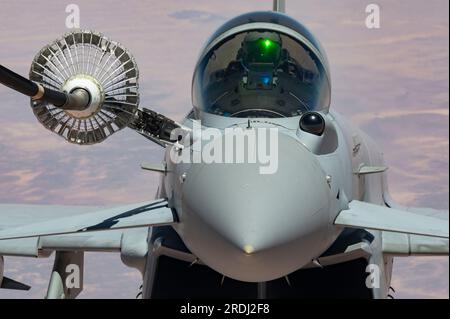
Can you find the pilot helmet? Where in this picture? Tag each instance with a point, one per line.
(261, 50)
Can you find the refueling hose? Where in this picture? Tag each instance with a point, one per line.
(79, 99)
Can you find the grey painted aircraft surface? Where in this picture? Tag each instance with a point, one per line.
(321, 223)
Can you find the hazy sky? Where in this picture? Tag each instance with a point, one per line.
(392, 82)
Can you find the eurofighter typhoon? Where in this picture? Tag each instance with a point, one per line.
(265, 190)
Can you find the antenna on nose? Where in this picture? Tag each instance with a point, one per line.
(279, 6)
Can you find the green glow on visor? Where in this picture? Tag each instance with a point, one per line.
(267, 43)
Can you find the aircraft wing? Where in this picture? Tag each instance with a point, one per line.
(370, 216)
(440, 214)
(408, 244)
(413, 231)
(12, 216)
(105, 241)
(80, 220)
(36, 231)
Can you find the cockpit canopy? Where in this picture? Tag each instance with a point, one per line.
(262, 70)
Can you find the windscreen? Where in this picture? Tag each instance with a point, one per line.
(260, 73)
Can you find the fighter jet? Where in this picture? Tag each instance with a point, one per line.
(265, 191)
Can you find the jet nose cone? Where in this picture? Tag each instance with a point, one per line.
(255, 211)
